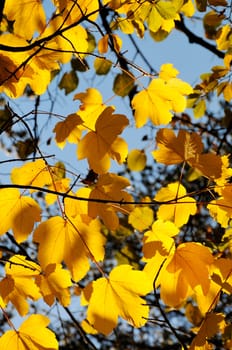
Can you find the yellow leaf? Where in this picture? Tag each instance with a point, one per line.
(119, 296)
(68, 130)
(34, 173)
(95, 146)
(182, 272)
(54, 283)
(102, 66)
(161, 98)
(91, 107)
(141, 218)
(136, 160)
(18, 213)
(186, 147)
(61, 186)
(32, 334)
(162, 232)
(179, 209)
(18, 285)
(110, 187)
(60, 240)
(221, 209)
(28, 17)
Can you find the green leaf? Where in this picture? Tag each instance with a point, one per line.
(69, 82)
(102, 66)
(123, 84)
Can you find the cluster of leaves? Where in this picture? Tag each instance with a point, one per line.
(63, 236)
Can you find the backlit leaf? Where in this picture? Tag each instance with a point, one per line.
(179, 210)
(186, 147)
(54, 283)
(95, 146)
(182, 272)
(18, 213)
(119, 296)
(33, 334)
(68, 130)
(136, 160)
(60, 240)
(160, 99)
(141, 218)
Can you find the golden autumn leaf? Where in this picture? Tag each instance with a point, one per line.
(18, 213)
(28, 17)
(162, 97)
(54, 283)
(110, 187)
(160, 234)
(91, 107)
(180, 206)
(141, 218)
(33, 334)
(119, 296)
(212, 324)
(96, 145)
(68, 130)
(74, 242)
(19, 284)
(181, 273)
(33, 173)
(220, 209)
(136, 160)
(186, 147)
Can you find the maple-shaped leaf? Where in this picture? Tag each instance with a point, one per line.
(74, 242)
(160, 99)
(91, 106)
(33, 334)
(54, 283)
(33, 173)
(161, 232)
(186, 147)
(68, 130)
(18, 213)
(110, 187)
(221, 209)
(60, 186)
(28, 17)
(19, 284)
(212, 324)
(95, 146)
(222, 274)
(119, 296)
(182, 272)
(180, 206)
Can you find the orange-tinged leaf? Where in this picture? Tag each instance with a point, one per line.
(119, 296)
(33, 173)
(212, 324)
(180, 209)
(60, 186)
(54, 283)
(60, 240)
(182, 272)
(68, 130)
(96, 145)
(28, 17)
(18, 285)
(161, 232)
(103, 44)
(186, 147)
(141, 218)
(18, 213)
(33, 334)
(110, 187)
(91, 107)
(136, 160)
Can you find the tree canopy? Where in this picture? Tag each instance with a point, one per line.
(115, 217)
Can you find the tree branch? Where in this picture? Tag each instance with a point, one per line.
(194, 39)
